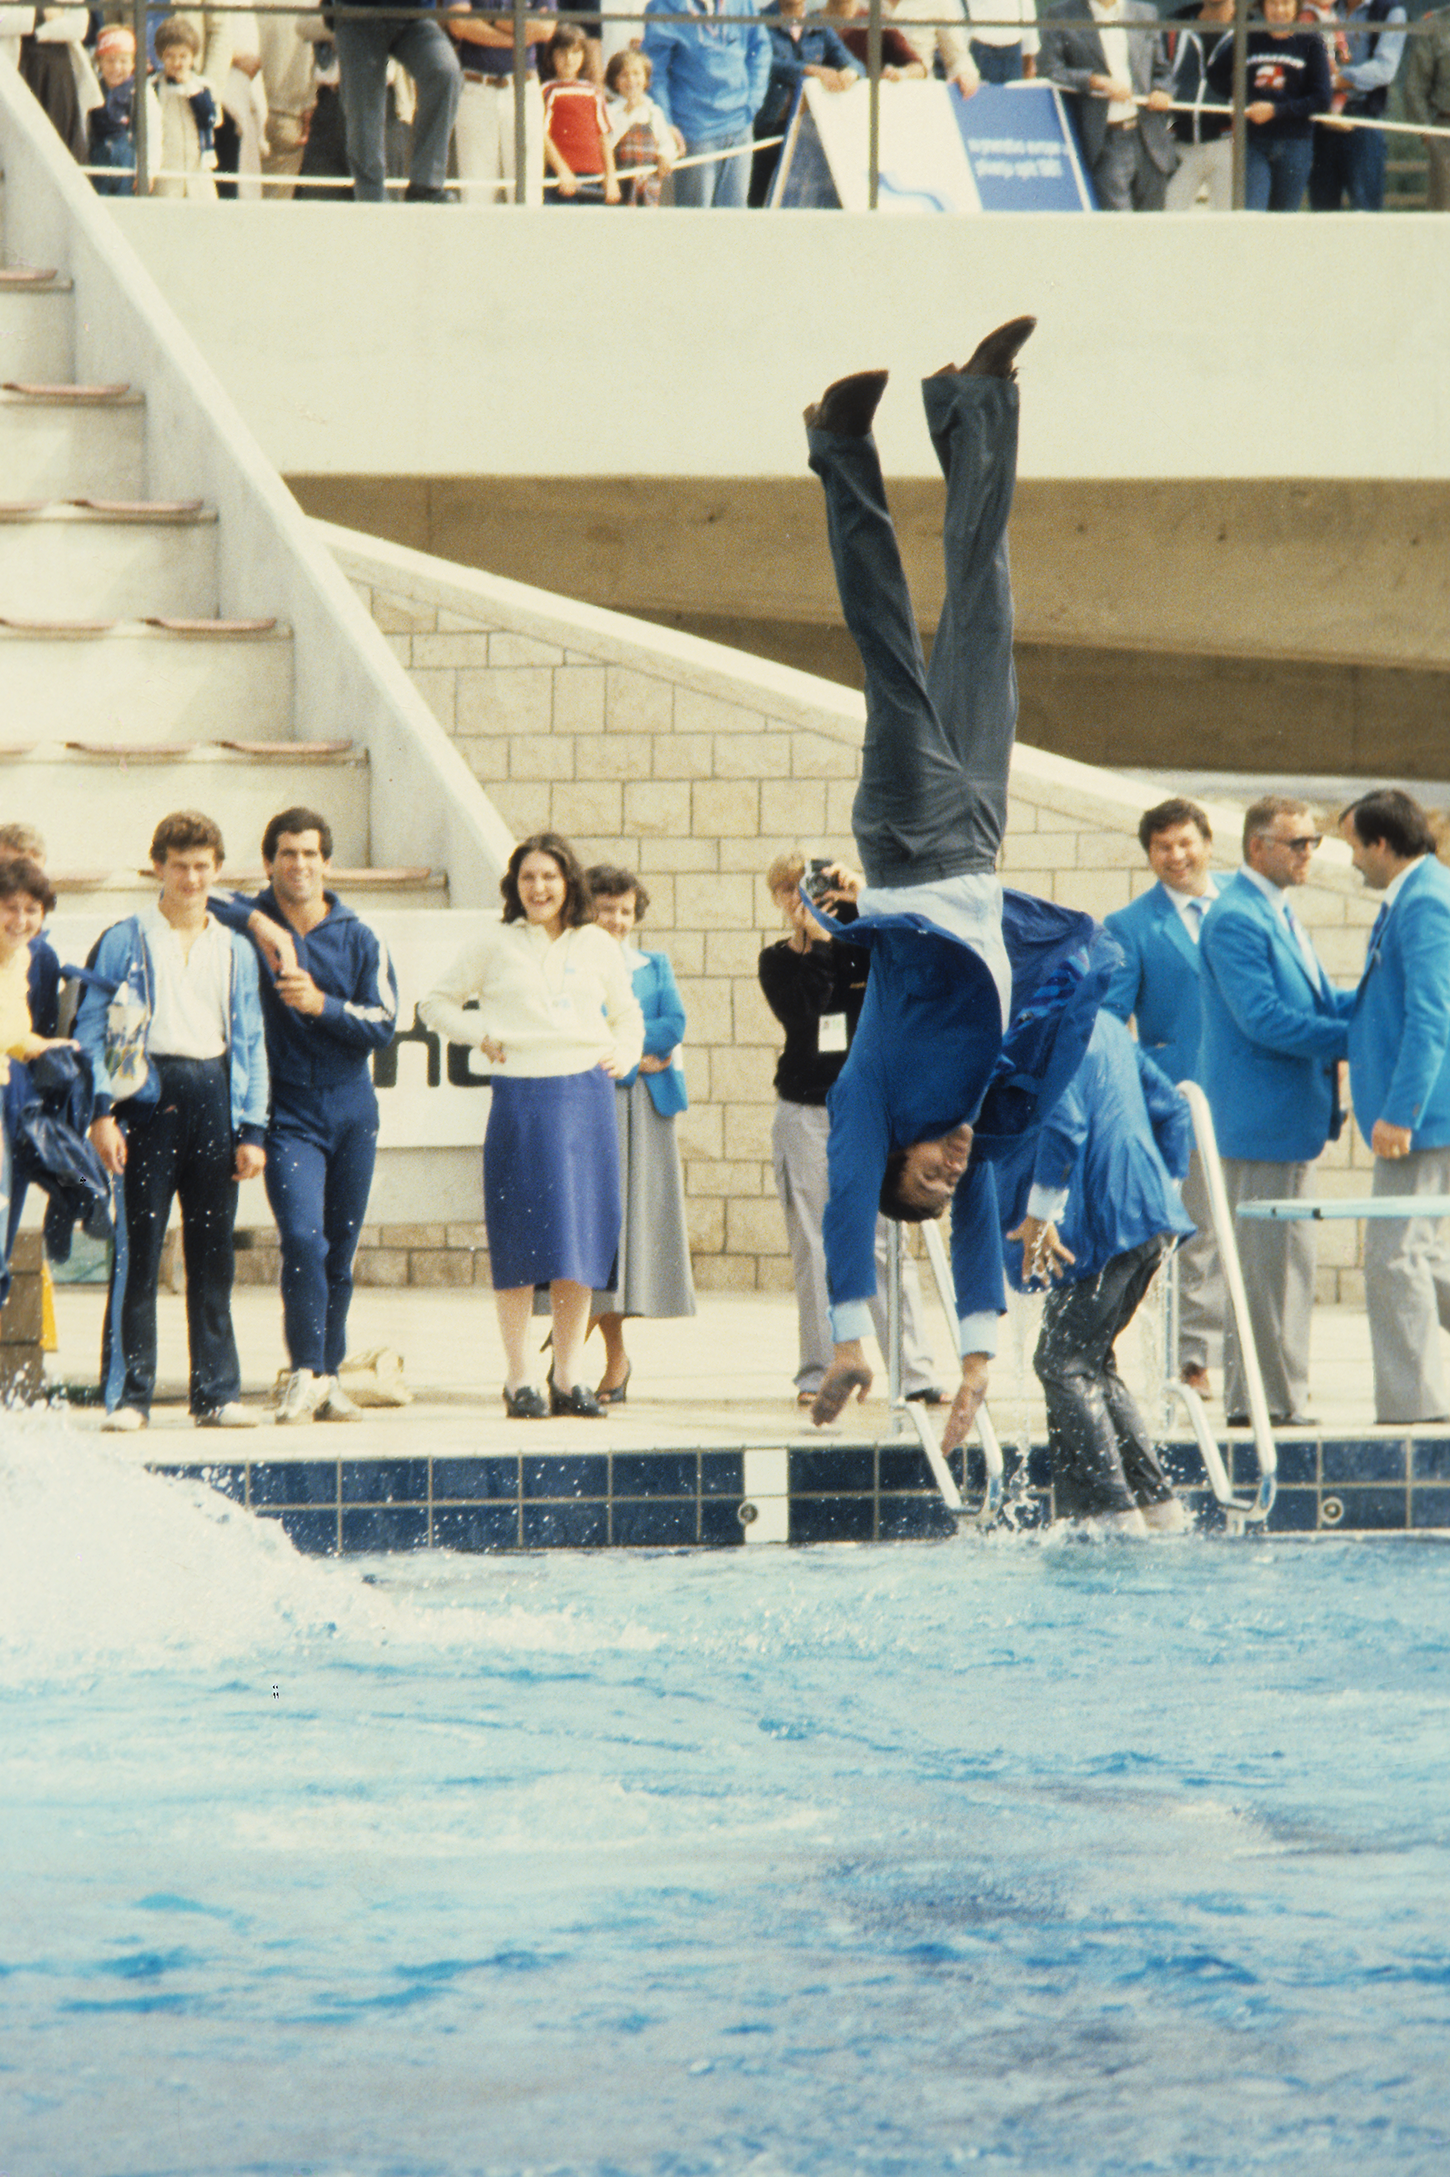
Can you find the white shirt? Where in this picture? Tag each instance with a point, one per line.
(969, 906)
(1023, 12)
(1277, 895)
(191, 994)
(557, 1006)
(1192, 906)
(1115, 53)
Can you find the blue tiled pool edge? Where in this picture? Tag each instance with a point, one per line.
(864, 1491)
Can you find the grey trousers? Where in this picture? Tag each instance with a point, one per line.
(1200, 1279)
(1407, 1293)
(1278, 1266)
(798, 1152)
(1124, 176)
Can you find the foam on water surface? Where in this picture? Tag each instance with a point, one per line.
(1020, 1854)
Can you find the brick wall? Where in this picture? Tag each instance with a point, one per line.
(696, 765)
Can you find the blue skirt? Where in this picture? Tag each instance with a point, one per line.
(551, 1197)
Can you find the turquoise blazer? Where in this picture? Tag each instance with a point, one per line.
(1270, 1035)
(664, 1027)
(1399, 1031)
(1158, 983)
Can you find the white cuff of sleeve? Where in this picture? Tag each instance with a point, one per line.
(1047, 1204)
(978, 1333)
(851, 1320)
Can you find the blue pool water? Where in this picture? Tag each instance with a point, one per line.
(1026, 1855)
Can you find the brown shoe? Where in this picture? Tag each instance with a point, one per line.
(1196, 1379)
(996, 356)
(848, 406)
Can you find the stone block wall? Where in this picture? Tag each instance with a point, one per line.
(696, 765)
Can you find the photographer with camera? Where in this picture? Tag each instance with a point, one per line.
(814, 988)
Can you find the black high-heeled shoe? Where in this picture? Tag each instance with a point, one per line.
(579, 1402)
(614, 1396)
(524, 1404)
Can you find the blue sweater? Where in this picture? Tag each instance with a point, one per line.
(709, 77)
(350, 964)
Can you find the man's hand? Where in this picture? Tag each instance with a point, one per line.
(1043, 1254)
(251, 1157)
(109, 1144)
(1159, 102)
(276, 944)
(1262, 110)
(967, 81)
(972, 1391)
(1390, 1141)
(1109, 87)
(298, 991)
(847, 1373)
(34, 1046)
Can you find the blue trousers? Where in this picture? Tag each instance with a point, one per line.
(321, 1149)
(431, 59)
(1348, 164)
(932, 801)
(719, 183)
(1275, 173)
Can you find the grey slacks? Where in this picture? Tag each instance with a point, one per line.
(1200, 1279)
(1407, 1293)
(1278, 1266)
(798, 1152)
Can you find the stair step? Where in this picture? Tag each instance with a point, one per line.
(66, 560)
(35, 331)
(30, 276)
(65, 393)
(101, 811)
(328, 753)
(62, 446)
(122, 680)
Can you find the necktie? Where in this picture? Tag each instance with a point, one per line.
(1377, 932)
(1197, 909)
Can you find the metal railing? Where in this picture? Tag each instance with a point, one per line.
(875, 21)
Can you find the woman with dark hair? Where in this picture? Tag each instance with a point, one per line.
(26, 898)
(555, 1015)
(652, 1273)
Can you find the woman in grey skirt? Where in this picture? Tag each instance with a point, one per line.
(652, 1273)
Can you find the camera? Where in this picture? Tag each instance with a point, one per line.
(816, 884)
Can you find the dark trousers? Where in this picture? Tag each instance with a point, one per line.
(179, 1147)
(431, 59)
(1102, 1456)
(997, 63)
(1348, 165)
(932, 801)
(320, 1158)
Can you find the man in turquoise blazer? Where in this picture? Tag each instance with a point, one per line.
(1274, 1028)
(1399, 1066)
(1158, 987)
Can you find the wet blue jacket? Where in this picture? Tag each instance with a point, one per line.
(710, 77)
(929, 1054)
(350, 964)
(1399, 1031)
(1116, 1142)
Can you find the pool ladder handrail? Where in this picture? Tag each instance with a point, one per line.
(910, 1416)
(1239, 1511)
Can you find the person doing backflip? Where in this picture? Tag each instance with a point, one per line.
(979, 1003)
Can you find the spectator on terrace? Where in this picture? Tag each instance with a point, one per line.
(241, 137)
(1106, 71)
(427, 53)
(53, 61)
(23, 843)
(1205, 140)
(287, 78)
(710, 78)
(483, 136)
(900, 60)
(1349, 164)
(797, 49)
(111, 126)
(1286, 84)
(576, 126)
(185, 144)
(1427, 101)
(999, 53)
(638, 130)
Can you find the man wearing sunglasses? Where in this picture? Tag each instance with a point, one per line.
(1274, 1028)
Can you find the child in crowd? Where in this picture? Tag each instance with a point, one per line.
(112, 124)
(638, 130)
(576, 126)
(188, 114)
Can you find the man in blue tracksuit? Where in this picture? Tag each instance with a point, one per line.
(978, 1004)
(331, 1001)
(710, 78)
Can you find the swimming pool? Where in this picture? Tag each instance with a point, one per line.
(1016, 1853)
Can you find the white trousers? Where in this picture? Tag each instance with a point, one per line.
(1200, 166)
(483, 136)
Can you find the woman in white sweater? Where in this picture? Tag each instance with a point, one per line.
(557, 1017)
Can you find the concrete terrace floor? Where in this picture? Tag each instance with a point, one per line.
(723, 1378)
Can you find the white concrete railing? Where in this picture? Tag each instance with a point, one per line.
(426, 805)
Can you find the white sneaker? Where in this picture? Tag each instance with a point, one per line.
(302, 1394)
(123, 1419)
(234, 1415)
(336, 1405)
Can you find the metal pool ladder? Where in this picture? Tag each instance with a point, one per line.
(911, 1418)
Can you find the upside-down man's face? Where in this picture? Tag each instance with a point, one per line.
(933, 1168)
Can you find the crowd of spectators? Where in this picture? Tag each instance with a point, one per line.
(671, 108)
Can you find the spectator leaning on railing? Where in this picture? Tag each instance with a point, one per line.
(1000, 53)
(1204, 140)
(797, 49)
(1126, 148)
(1287, 82)
(1350, 163)
(363, 51)
(1426, 90)
(710, 79)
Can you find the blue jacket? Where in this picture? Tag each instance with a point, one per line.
(1270, 1035)
(818, 46)
(1399, 1031)
(710, 77)
(664, 1028)
(350, 964)
(1116, 1141)
(929, 1054)
(122, 954)
(1158, 982)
